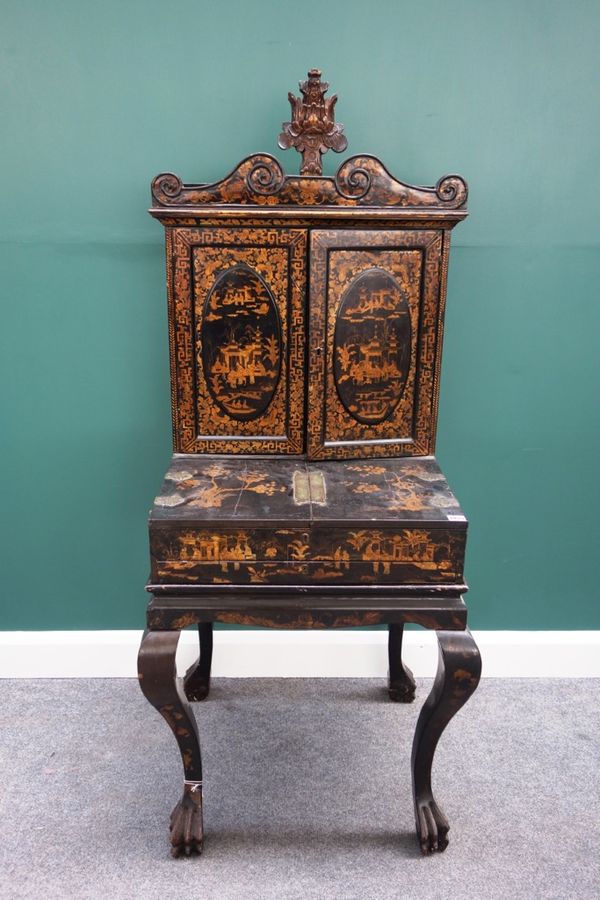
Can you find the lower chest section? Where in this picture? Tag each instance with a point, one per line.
(262, 555)
(293, 523)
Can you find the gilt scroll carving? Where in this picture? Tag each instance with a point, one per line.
(361, 181)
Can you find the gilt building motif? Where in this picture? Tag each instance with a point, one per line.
(372, 345)
(241, 343)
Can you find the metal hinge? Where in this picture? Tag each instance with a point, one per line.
(309, 487)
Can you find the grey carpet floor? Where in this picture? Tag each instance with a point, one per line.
(307, 793)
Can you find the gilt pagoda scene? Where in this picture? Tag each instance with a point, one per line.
(372, 346)
(241, 343)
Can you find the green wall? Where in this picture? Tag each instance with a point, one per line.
(99, 97)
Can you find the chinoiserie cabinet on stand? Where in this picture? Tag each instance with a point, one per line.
(305, 326)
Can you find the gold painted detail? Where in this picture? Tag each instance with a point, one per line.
(370, 382)
(241, 343)
(414, 546)
(209, 413)
(207, 547)
(361, 181)
(404, 422)
(210, 492)
(372, 346)
(410, 546)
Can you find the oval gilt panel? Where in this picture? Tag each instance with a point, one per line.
(372, 343)
(241, 343)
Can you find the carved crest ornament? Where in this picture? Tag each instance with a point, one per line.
(313, 130)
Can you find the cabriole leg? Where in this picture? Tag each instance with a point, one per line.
(196, 683)
(401, 684)
(457, 677)
(159, 683)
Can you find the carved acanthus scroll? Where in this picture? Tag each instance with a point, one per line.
(313, 130)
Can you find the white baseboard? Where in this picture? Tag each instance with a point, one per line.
(297, 654)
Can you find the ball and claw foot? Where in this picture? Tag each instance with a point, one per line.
(187, 832)
(196, 686)
(402, 690)
(401, 684)
(459, 670)
(432, 827)
(196, 682)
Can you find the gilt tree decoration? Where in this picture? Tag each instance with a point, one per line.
(313, 130)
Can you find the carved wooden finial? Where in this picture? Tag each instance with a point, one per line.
(313, 130)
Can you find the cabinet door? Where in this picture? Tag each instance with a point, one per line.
(376, 308)
(237, 339)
